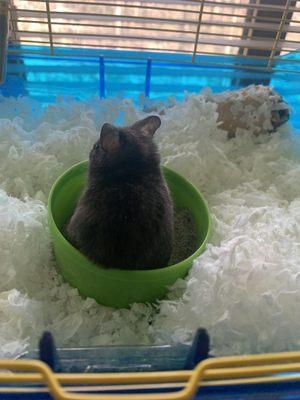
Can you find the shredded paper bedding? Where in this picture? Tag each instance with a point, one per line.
(244, 288)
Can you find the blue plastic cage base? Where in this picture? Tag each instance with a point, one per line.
(116, 73)
(124, 74)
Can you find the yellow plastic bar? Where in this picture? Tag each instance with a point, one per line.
(249, 369)
(103, 378)
(229, 382)
(172, 376)
(59, 393)
(147, 377)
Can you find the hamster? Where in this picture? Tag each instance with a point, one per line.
(124, 219)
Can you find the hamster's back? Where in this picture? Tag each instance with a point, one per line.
(125, 216)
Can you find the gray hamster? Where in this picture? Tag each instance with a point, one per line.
(124, 219)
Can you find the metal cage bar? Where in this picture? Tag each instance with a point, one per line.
(191, 27)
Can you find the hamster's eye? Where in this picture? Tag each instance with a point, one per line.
(96, 146)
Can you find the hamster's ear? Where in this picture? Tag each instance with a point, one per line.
(147, 126)
(109, 138)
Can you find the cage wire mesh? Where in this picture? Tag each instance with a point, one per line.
(265, 30)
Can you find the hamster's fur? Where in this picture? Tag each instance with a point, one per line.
(124, 219)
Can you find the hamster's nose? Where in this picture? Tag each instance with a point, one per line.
(279, 117)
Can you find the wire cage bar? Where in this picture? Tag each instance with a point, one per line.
(266, 30)
(4, 23)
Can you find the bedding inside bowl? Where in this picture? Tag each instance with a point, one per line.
(185, 238)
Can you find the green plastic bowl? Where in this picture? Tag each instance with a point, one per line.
(113, 287)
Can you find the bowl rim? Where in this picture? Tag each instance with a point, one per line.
(114, 273)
